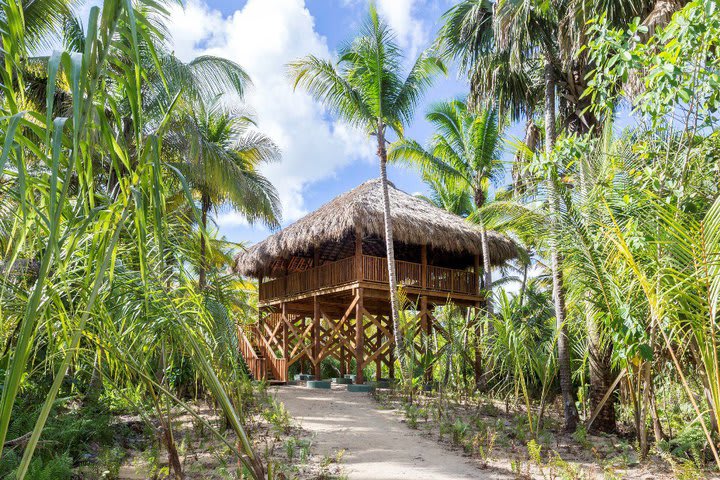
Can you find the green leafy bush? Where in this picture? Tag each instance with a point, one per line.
(459, 431)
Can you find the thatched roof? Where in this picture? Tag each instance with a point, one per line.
(415, 221)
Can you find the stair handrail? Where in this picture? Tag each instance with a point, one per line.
(279, 364)
(256, 364)
(246, 346)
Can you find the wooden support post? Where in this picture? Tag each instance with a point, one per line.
(423, 266)
(316, 337)
(423, 314)
(285, 278)
(285, 346)
(476, 270)
(260, 282)
(425, 326)
(359, 337)
(343, 356)
(378, 360)
(316, 263)
(358, 254)
(301, 341)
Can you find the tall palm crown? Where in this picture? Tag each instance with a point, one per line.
(366, 88)
(506, 76)
(465, 148)
(465, 154)
(219, 154)
(446, 194)
(225, 152)
(503, 44)
(43, 21)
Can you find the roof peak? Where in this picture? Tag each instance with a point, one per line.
(376, 180)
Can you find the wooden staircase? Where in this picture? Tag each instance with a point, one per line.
(262, 361)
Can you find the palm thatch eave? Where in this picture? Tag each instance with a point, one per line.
(415, 221)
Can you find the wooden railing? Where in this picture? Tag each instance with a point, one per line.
(450, 280)
(278, 365)
(255, 364)
(374, 269)
(410, 275)
(336, 273)
(327, 275)
(258, 364)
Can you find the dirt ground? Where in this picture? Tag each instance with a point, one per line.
(377, 445)
(310, 434)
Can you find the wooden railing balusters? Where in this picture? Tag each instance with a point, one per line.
(371, 269)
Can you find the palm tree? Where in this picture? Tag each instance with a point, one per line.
(224, 153)
(500, 44)
(466, 150)
(366, 88)
(510, 36)
(515, 89)
(43, 21)
(448, 194)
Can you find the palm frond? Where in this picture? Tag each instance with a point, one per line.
(415, 85)
(327, 85)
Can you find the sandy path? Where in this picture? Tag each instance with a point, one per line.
(377, 445)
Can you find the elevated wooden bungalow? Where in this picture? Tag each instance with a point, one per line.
(323, 281)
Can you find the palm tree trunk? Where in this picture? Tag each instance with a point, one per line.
(522, 157)
(481, 371)
(173, 455)
(600, 378)
(95, 386)
(205, 208)
(523, 286)
(394, 307)
(569, 409)
(487, 270)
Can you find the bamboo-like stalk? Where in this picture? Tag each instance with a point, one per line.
(90, 242)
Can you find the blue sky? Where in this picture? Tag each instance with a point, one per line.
(321, 157)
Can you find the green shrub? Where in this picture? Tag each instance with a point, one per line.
(304, 450)
(412, 413)
(459, 431)
(109, 461)
(290, 446)
(277, 416)
(483, 443)
(57, 468)
(580, 435)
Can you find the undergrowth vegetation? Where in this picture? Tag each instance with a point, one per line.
(118, 340)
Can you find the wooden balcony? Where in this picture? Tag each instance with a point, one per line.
(371, 270)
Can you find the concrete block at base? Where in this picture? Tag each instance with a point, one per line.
(342, 381)
(303, 377)
(318, 384)
(364, 388)
(350, 376)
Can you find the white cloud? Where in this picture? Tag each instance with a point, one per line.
(411, 32)
(263, 37)
(231, 219)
